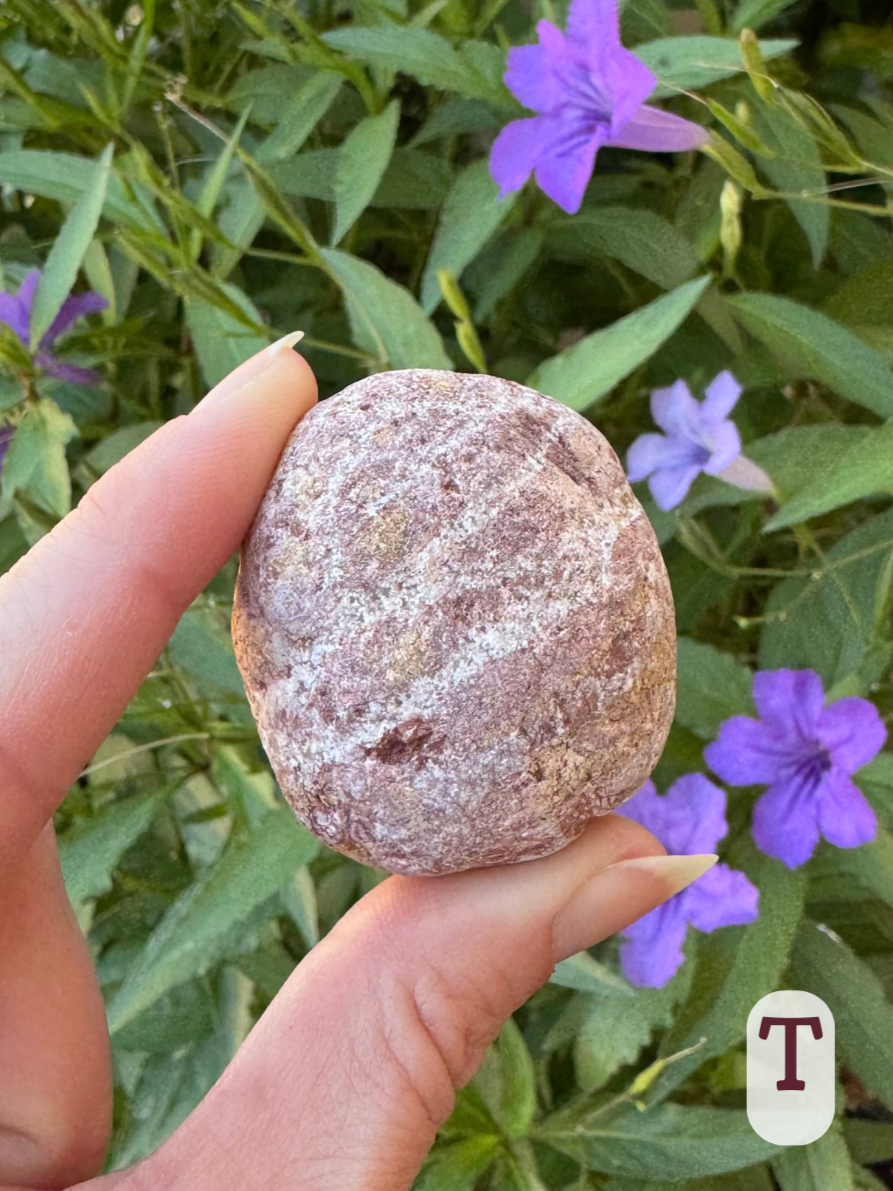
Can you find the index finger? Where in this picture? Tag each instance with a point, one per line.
(85, 614)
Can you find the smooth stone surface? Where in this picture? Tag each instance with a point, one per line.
(454, 624)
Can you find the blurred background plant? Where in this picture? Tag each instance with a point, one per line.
(192, 179)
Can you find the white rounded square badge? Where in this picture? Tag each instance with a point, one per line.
(790, 1067)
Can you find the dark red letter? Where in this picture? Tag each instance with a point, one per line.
(790, 1083)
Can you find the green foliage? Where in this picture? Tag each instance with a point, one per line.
(224, 174)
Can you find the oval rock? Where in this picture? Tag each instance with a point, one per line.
(454, 624)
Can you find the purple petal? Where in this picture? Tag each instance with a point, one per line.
(27, 288)
(517, 150)
(721, 396)
(792, 699)
(656, 131)
(853, 733)
(747, 752)
(785, 822)
(627, 80)
(71, 373)
(699, 810)
(845, 817)
(676, 411)
(690, 818)
(535, 73)
(721, 897)
(651, 452)
(651, 952)
(670, 486)
(73, 308)
(591, 22)
(6, 433)
(725, 444)
(744, 473)
(563, 172)
(15, 314)
(643, 807)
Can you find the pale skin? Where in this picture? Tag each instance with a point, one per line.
(346, 1078)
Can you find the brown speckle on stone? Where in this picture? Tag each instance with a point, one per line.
(454, 624)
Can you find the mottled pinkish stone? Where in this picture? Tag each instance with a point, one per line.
(454, 624)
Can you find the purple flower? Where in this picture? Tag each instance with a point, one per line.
(689, 819)
(15, 311)
(6, 432)
(805, 752)
(588, 91)
(699, 437)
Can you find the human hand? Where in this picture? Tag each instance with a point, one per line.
(345, 1080)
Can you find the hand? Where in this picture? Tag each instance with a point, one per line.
(345, 1080)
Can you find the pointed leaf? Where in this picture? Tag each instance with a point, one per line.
(693, 62)
(300, 115)
(386, 319)
(362, 162)
(61, 269)
(88, 855)
(471, 215)
(863, 1017)
(866, 468)
(196, 931)
(221, 342)
(582, 374)
(816, 346)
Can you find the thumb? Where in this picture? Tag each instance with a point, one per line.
(353, 1068)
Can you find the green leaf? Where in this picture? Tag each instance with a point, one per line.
(615, 1029)
(585, 974)
(458, 1166)
(876, 782)
(823, 1165)
(221, 342)
(518, 1081)
(796, 168)
(66, 178)
(202, 648)
(69, 248)
(35, 462)
(866, 468)
(184, 1015)
(816, 346)
(198, 929)
(694, 62)
(386, 319)
(865, 299)
(362, 162)
(474, 70)
(836, 620)
(253, 793)
(115, 446)
(641, 239)
(751, 14)
(239, 221)
(735, 967)
(711, 686)
(869, 1141)
(215, 181)
(863, 1017)
(858, 872)
(665, 1142)
(300, 115)
(89, 853)
(582, 374)
(471, 215)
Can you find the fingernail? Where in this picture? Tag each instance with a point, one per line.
(619, 895)
(250, 371)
